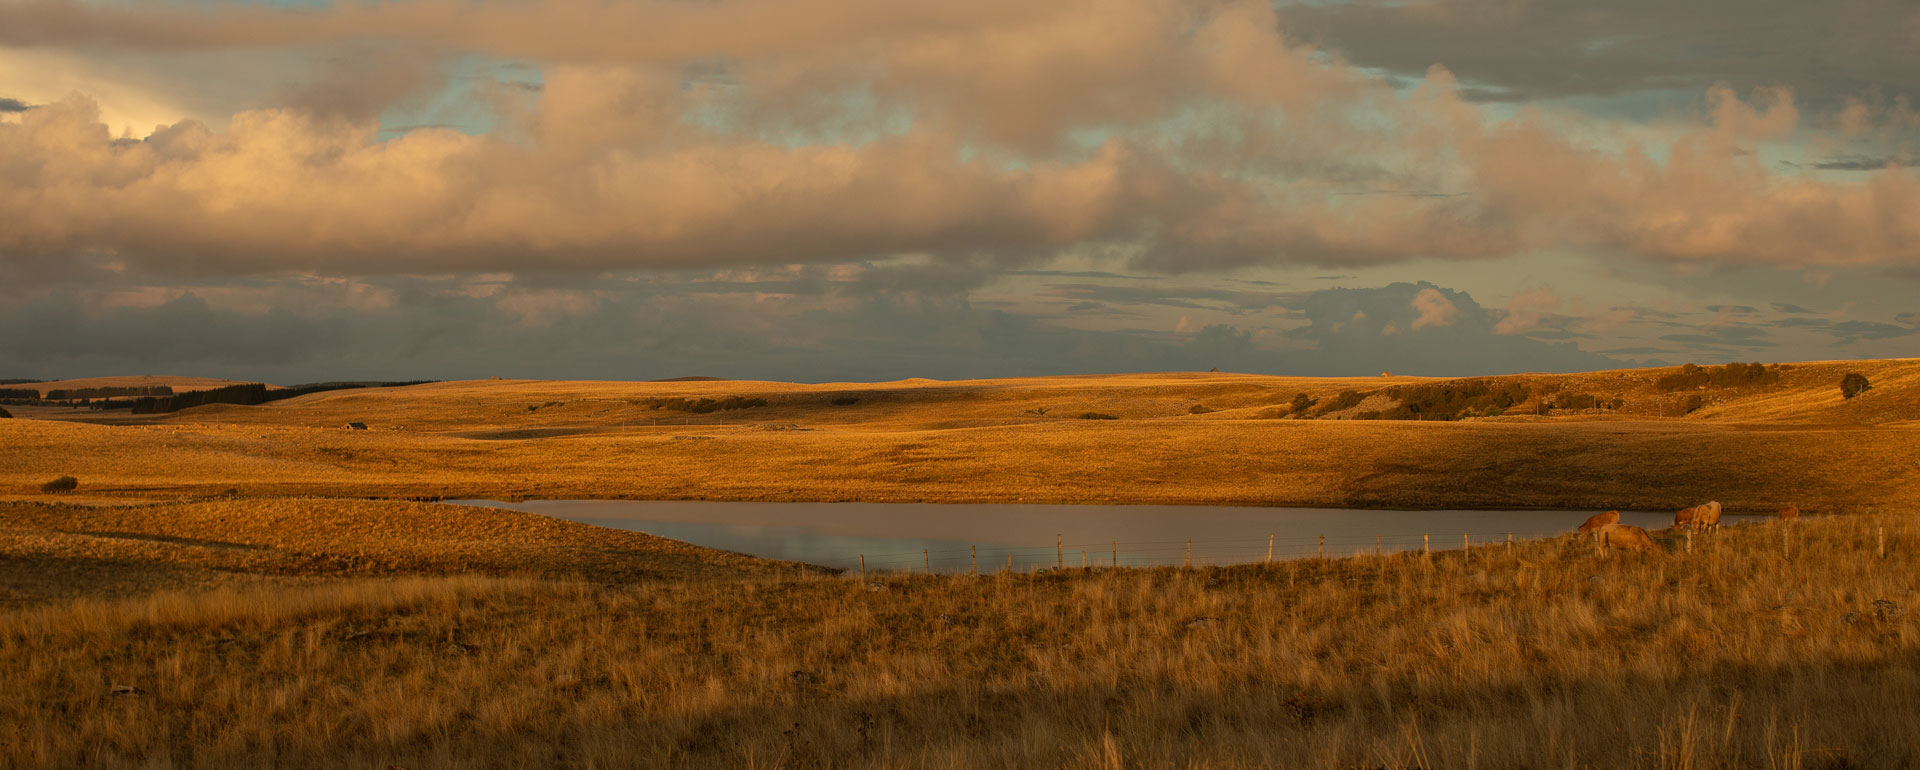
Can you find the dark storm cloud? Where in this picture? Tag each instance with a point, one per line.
(1728, 336)
(1516, 51)
(183, 332)
(1737, 309)
(1849, 331)
(1854, 163)
(13, 105)
(1783, 307)
(1421, 329)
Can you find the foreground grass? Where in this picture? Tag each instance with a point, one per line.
(1771, 646)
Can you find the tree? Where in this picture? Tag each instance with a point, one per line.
(1854, 384)
(4, 414)
(61, 485)
(1301, 403)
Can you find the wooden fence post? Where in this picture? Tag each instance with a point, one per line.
(1426, 546)
(1116, 553)
(863, 568)
(1689, 540)
(1189, 564)
(1323, 546)
(1009, 561)
(975, 550)
(1376, 544)
(1059, 554)
(1269, 547)
(1083, 558)
(927, 554)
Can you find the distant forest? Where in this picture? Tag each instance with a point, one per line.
(162, 399)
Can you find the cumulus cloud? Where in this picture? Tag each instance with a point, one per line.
(1526, 310)
(1434, 309)
(1183, 135)
(8, 104)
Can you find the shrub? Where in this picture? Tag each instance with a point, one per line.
(844, 401)
(1098, 416)
(4, 414)
(1854, 384)
(704, 405)
(1732, 375)
(1301, 403)
(1346, 400)
(1453, 400)
(61, 485)
(1199, 409)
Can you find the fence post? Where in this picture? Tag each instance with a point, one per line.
(1059, 555)
(976, 558)
(1116, 553)
(1883, 542)
(1376, 544)
(1083, 558)
(1269, 547)
(1189, 564)
(1426, 546)
(1689, 541)
(1009, 561)
(863, 568)
(1323, 547)
(927, 554)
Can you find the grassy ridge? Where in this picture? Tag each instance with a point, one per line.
(1772, 645)
(1795, 441)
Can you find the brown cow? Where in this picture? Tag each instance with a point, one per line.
(1600, 520)
(1626, 537)
(1703, 516)
(1789, 513)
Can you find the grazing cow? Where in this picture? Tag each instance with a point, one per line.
(1703, 516)
(1789, 513)
(1626, 537)
(1600, 520)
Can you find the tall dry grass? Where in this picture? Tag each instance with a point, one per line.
(1770, 646)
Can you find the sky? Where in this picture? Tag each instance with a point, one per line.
(860, 190)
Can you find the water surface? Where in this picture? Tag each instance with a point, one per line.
(950, 537)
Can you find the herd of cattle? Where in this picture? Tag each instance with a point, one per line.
(1610, 533)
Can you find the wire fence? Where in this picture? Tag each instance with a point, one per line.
(1160, 553)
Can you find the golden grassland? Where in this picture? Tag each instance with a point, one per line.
(50, 550)
(1776, 645)
(1755, 449)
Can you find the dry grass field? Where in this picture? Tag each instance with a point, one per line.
(1777, 645)
(220, 593)
(1756, 448)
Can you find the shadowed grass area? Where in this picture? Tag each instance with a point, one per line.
(1771, 645)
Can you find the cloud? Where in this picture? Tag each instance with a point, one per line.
(1526, 310)
(1784, 307)
(1849, 331)
(1854, 163)
(1349, 329)
(1182, 136)
(14, 105)
(1434, 309)
(1517, 51)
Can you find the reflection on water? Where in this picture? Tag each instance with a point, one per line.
(950, 537)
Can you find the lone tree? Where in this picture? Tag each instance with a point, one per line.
(1854, 384)
(61, 485)
(1301, 403)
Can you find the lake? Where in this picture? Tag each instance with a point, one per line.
(947, 536)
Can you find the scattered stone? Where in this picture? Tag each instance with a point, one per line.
(125, 691)
(1885, 611)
